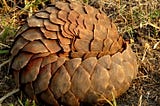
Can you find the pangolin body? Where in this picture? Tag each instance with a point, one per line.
(71, 53)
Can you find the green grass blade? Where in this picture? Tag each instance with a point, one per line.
(4, 52)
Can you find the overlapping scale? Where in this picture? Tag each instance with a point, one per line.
(70, 53)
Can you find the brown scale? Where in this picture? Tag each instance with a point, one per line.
(71, 53)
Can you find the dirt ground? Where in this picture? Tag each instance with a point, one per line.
(136, 20)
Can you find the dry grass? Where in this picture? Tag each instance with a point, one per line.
(137, 20)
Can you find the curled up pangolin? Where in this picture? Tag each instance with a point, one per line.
(71, 53)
